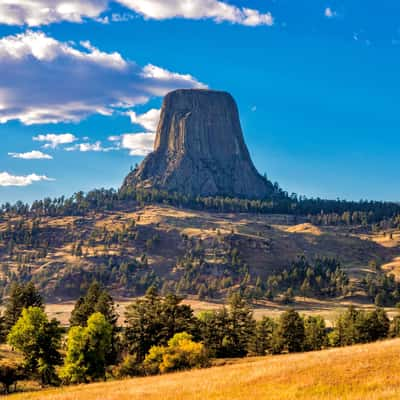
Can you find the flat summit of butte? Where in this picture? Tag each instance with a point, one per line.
(199, 150)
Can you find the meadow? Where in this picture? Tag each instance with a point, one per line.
(367, 372)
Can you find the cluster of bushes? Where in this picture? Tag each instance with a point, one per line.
(161, 335)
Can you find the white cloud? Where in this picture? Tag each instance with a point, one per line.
(85, 147)
(43, 80)
(103, 20)
(43, 12)
(138, 144)
(198, 9)
(329, 13)
(31, 155)
(7, 179)
(252, 17)
(148, 120)
(116, 17)
(54, 140)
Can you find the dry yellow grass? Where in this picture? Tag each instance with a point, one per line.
(305, 228)
(365, 372)
(329, 309)
(393, 267)
(389, 240)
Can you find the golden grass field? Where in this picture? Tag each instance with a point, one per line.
(329, 309)
(363, 372)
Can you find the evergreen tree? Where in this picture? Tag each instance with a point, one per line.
(375, 326)
(21, 296)
(242, 326)
(228, 332)
(215, 328)
(143, 324)
(176, 317)
(346, 330)
(263, 340)
(152, 321)
(315, 333)
(96, 299)
(291, 334)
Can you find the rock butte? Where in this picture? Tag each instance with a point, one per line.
(199, 150)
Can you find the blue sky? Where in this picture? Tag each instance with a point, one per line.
(317, 84)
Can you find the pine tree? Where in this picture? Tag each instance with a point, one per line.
(242, 325)
(315, 333)
(21, 296)
(262, 341)
(96, 299)
(291, 332)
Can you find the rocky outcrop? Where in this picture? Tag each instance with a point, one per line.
(199, 149)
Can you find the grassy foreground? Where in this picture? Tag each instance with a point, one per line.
(367, 372)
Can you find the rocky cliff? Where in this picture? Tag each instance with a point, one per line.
(199, 149)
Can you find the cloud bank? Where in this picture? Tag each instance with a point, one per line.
(43, 80)
(7, 179)
(53, 140)
(218, 11)
(86, 147)
(138, 144)
(45, 12)
(31, 155)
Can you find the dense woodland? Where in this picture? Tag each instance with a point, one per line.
(320, 211)
(160, 335)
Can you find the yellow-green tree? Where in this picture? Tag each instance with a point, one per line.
(181, 353)
(39, 340)
(87, 349)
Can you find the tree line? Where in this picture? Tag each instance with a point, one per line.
(160, 334)
(319, 211)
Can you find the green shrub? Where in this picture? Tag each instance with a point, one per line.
(130, 366)
(180, 354)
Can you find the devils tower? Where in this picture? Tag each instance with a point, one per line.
(199, 150)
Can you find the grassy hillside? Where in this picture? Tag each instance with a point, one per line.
(130, 249)
(368, 372)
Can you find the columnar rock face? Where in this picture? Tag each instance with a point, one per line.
(199, 149)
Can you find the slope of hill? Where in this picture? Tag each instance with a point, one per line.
(368, 372)
(130, 249)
